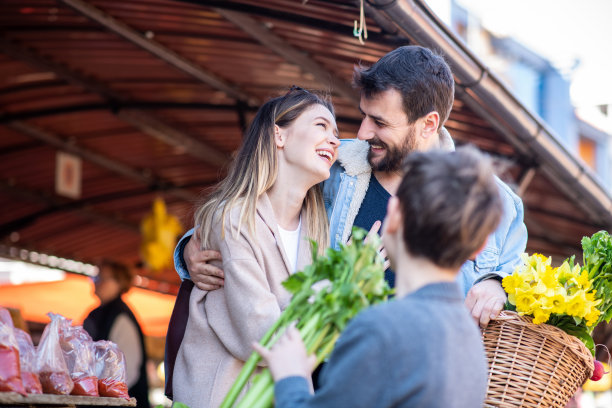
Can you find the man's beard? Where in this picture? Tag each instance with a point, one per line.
(394, 155)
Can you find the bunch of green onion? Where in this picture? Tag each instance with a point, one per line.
(326, 295)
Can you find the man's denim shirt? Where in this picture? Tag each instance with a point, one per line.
(499, 258)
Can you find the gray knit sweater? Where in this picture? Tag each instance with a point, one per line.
(423, 350)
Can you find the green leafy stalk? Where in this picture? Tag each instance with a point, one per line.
(326, 295)
(597, 260)
(254, 397)
(248, 369)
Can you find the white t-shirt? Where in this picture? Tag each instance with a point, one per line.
(291, 243)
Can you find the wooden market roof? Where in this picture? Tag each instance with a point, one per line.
(154, 95)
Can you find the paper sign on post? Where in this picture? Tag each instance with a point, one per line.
(68, 175)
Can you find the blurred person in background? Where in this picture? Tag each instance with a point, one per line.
(113, 320)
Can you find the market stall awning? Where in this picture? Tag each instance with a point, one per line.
(152, 98)
(73, 298)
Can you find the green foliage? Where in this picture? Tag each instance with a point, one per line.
(579, 330)
(597, 259)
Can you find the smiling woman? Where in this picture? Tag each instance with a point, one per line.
(258, 219)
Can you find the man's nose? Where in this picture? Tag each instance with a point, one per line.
(366, 131)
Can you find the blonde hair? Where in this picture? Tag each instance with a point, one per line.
(255, 168)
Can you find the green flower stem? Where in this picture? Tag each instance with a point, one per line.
(327, 348)
(250, 365)
(262, 392)
(261, 382)
(310, 326)
(266, 398)
(313, 345)
(248, 369)
(241, 381)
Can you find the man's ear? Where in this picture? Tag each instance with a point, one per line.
(279, 137)
(394, 219)
(430, 124)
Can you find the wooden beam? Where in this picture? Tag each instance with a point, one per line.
(289, 53)
(143, 121)
(140, 176)
(525, 179)
(160, 51)
(18, 52)
(161, 131)
(54, 204)
(132, 105)
(146, 106)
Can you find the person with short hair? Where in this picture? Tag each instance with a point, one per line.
(113, 320)
(421, 349)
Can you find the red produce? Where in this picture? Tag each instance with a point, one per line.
(113, 388)
(56, 382)
(31, 383)
(598, 371)
(10, 373)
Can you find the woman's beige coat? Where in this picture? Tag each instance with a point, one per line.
(224, 323)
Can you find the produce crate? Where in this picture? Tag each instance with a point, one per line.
(532, 365)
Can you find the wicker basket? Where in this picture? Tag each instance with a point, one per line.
(532, 365)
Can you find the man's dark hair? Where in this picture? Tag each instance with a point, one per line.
(423, 78)
(450, 203)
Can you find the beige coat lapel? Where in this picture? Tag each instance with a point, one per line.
(266, 212)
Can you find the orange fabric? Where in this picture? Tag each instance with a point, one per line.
(73, 298)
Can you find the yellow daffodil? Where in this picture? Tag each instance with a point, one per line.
(549, 277)
(590, 298)
(564, 273)
(555, 302)
(592, 316)
(577, 305)
(540, 316)
(525, 301)
(540, 290)
(511, 282)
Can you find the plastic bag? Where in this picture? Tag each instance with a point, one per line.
(50, 363)
(79, 354)
(27, 359)
(110, 368)
(10, 371)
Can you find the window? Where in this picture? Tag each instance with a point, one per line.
(587, 148)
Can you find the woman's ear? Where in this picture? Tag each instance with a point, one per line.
(279, 137)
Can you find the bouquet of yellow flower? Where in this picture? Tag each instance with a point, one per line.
(570, 297)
